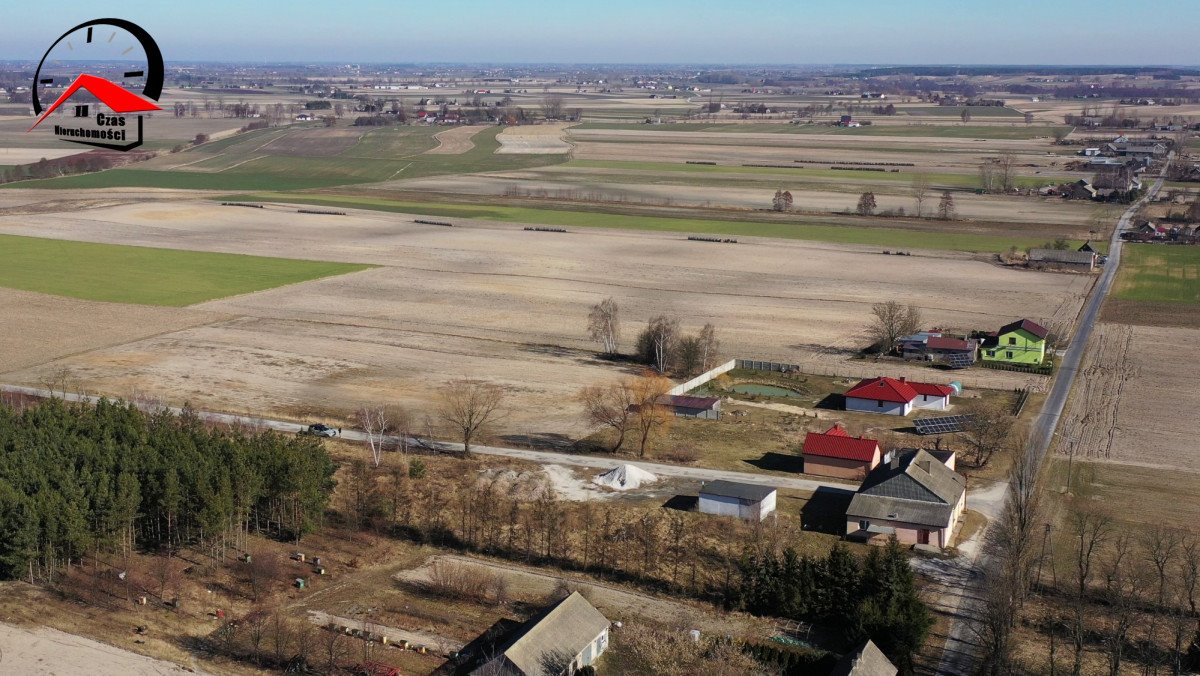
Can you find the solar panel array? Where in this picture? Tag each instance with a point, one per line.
(946, 424)
(959, 361)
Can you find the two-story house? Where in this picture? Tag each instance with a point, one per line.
(1021, 342)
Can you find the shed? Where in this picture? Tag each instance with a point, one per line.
(1062, 259)
(867, 660)
(686, 406)
(562, 639)
(836, 453)
(751, 502)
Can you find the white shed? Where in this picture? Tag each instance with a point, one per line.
(751, 502)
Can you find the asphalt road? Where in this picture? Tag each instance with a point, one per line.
(540, 457)
(963, 576)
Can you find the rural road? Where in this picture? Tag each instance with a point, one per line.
(540, 457)
(964, 574)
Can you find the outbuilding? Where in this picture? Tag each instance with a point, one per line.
(751, 502)
(685, 406)
(836, 453)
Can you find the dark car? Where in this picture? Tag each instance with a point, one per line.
(320, 430)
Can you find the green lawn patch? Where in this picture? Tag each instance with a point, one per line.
(895, 238)
(144, 275)
(1159, 273)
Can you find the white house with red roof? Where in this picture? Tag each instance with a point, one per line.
(836, 453)
(897, 397)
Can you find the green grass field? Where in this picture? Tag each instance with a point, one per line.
(895, 238)
(1159, 273)
(146, 276)
(265, 160)
(800, 171)
(1015, 131)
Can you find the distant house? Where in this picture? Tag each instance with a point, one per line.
(558, 641)
(1022, 342)
(1062, 259)
(692, 407)
(897, 397)
(837, 454)
(913, 495)
(867, 660)
(1088, 248)
(1079, 190)
(304, 117)
(1090, 152)
(751, 502)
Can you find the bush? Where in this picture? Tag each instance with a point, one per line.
(416, 469)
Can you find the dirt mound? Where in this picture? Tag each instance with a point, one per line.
(624, 477)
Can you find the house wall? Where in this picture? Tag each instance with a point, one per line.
(909, 533)
(591, 653)
(933, 403)
(839, 467)
(1029, 349)
(725, 506)
(713, 413)
(761, 510)
(872, 406)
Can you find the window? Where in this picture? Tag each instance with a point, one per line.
(879, 403)
(991, 353)
(863, 524)
(1008, 355)
(1012, 340)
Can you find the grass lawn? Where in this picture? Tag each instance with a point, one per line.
(1159, 273)
(267, 160)
(871, 236)
(146, 276)
(997, 132)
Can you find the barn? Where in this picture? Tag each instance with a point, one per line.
(892, 396)
(751, 502)
(836, 453)
(685, 406)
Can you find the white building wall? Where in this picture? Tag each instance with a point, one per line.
(931, 402)
(872, 406)
(723, 506)
(766, 507)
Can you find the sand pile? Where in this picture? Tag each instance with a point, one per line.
(625, 477)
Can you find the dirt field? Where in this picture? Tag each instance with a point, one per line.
(455, 141)
(43, 650)
(38, 328)
(1126, 408)
(539, 139)
(14, 156)
(520, 302)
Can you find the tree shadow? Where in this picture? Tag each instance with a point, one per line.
(550, 441)
(778, 462)
(683, 503)
(825, 511)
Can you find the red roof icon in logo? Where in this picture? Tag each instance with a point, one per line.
(116, 97)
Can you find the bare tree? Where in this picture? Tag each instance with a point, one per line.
(866, 204)
(920, 191)
(1060, 134)
(891, 321)
(378, 421)
(988, 430)
(1028, 118)
(966, 115)
(609, 406)
(650, 415)
(782, 201)
(710, 347)
(1006, 172)
(604, 325)
(335, 650)
(1089, 530)
(987, 176)
(657, 343)
(946, 206)
(470, 406)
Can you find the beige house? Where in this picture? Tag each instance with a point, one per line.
(914, 495)
(559, 641)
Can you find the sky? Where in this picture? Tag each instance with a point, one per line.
(635, 31)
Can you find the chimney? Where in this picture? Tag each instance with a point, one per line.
(901, 378)
(895, 460)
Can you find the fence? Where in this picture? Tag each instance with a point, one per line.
(703, 378)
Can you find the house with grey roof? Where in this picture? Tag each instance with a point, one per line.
(914, 495)
(751, 502)
(868, 660)
(558, 641)
(1062, 259)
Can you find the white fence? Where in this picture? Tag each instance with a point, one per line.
(703, 378)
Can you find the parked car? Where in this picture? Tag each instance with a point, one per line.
(320, 430)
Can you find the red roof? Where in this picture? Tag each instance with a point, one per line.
(684, 401)
(897, 391)
(836, 443)
(943, 343)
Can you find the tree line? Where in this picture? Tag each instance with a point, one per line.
(662, 344)
(874, 598)
(77, 478)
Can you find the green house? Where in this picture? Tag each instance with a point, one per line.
(1021, 342)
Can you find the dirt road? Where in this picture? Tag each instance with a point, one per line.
(42, 650)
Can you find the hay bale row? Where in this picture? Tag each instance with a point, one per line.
(426, 222)
(241, 204)
(538, 229)
(718, 240)
(321, 212)
(713, 164)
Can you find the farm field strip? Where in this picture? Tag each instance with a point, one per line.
(990, 132)
(881, 236)
(147, 276)
(1159, 273)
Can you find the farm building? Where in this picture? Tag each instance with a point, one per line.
(936, 347)
(913, 495)
(745, 501)
(897, 397)
(1060, 259)
(837, 454)
(867, 660)
(685, 406)
(562, 639)
(1079, 190)
(1021, 342)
